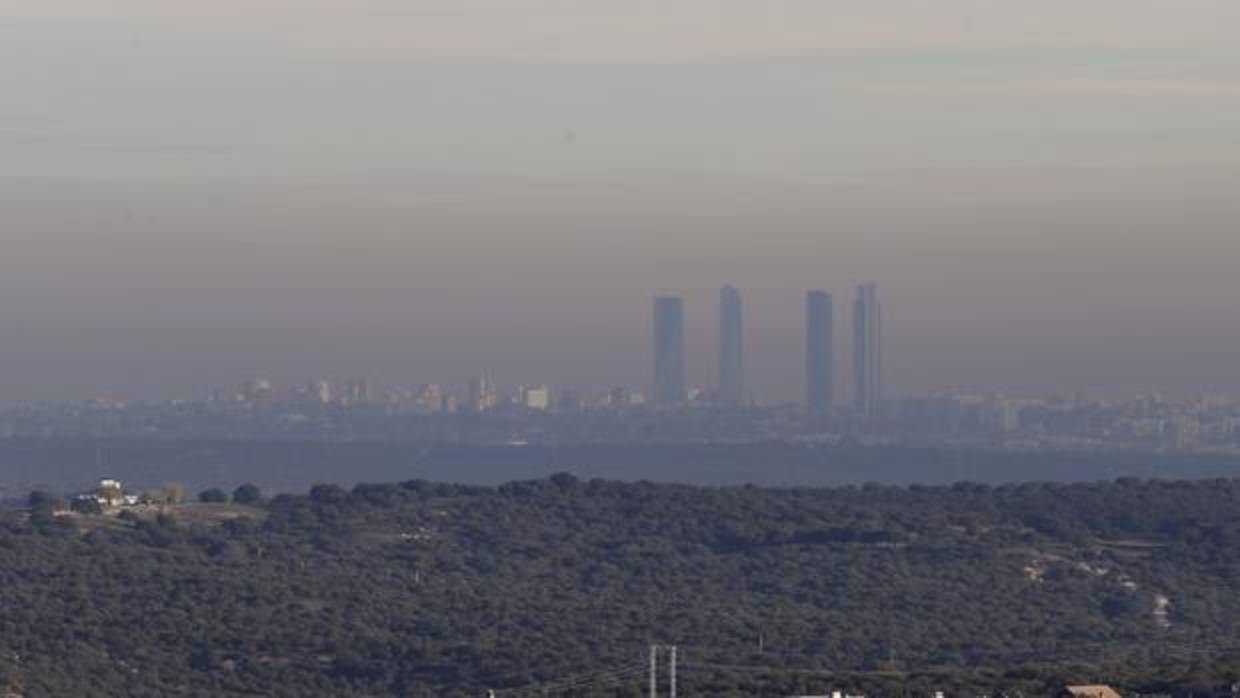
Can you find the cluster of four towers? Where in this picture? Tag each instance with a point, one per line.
(669, 350)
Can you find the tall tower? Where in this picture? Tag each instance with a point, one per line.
(867, 350)
(731, 348)
(819, 352)
(669, 350)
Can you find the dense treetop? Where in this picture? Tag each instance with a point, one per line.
(420, 589)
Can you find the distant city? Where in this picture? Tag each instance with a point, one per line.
(672, 412)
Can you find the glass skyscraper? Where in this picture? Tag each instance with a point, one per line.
(731, 348)
(867, 350)
(819, 352)
(669, 350)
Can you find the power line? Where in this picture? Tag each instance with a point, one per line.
(633, 670)
(759, 669)
(573, 682)
(569, 670)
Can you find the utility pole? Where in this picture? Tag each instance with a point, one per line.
(672, 670)
(654, 671)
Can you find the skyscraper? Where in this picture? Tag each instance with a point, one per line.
(731, 348)
(867, 350)
(819, 352)
(669, 350)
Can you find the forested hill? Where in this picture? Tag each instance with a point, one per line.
(436, 590)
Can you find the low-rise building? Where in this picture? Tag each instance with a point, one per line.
(1088, 691)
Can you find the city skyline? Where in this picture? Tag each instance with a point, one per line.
(1048, 192)
(817, 377)
(261, 409)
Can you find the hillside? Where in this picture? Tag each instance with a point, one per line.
(420, 589)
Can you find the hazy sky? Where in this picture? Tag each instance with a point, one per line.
(1048, 193)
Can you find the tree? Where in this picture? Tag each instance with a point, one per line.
(214, 495)
(896, 591)
(46, 502)
(328, 494)
(88, 505)
(248, 495)
(43, 509)
(110, 491)
(173, 493)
